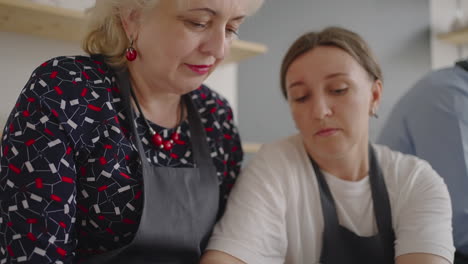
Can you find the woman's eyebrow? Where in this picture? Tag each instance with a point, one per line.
(337, 74)
(294, 84)
(213, 12)
(204, 9)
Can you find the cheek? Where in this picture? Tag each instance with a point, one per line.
(358, 104)
(296, 110)
(301, 118)
(176, 49)
(357, 119)
(227, 49)
(352, 113)
(295, 113)
(356, 114)
(172, 46)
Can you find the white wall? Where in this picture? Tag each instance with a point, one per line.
(21, 54)
(224, 81)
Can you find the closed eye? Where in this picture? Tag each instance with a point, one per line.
(196, 25)
(231, 33)
(301, 99)
(339, 91)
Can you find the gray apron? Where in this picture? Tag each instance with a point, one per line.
(460, 258)
(180, 204)
(340, 245)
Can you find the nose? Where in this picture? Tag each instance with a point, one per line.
(216, 44)
(320, 108)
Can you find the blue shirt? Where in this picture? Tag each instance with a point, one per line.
(431, 122)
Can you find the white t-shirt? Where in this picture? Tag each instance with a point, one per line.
(274, 213)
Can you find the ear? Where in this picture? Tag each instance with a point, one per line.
(130, 21)
(376, 94)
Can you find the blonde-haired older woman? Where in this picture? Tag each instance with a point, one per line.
(124, 156)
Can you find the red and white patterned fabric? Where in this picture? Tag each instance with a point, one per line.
(70, 180)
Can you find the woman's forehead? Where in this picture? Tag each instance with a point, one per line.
(321, 62)
(222, 7)
(323, 57)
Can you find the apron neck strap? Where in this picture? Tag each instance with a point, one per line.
(201, 154)
(382, 209)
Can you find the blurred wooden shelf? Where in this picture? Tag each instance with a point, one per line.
(251, 147)
(455, 37)
(241, 50)
(27, 17)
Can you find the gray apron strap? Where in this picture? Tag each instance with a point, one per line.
(460, 258)
(197, 133)
(341, 245)
(382, 208)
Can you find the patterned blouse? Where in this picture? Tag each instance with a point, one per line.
(70, 180)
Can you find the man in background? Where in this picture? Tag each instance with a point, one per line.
(431, 121)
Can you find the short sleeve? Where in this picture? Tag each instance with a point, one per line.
(424, 220)
(253, 226)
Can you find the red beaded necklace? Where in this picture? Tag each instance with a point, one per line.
(156, 138)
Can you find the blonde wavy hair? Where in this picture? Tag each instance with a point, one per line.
(105, 34)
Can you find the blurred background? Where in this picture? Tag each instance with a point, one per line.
(410, 38)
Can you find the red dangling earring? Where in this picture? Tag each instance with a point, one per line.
(131, 52)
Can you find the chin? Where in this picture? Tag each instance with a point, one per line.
(181, 90)
(328, 150)
(329, 153)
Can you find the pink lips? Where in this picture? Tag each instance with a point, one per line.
(326, 132)
(200, 69)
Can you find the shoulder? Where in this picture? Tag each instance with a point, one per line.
(420, 204)
(73, 71)
(67, 74)
(442, 80)
(403, 162)
(283, 147)
(286, 153)
(441, 95)
(209, 101)
(277, 170)
(440, 75)
(67, 85)
(434, 87)
(401, 169)
(72, 66)
(71, 77)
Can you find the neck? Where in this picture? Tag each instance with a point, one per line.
(353, 166)
(159, 107)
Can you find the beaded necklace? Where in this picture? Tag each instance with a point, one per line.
(156, 138)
